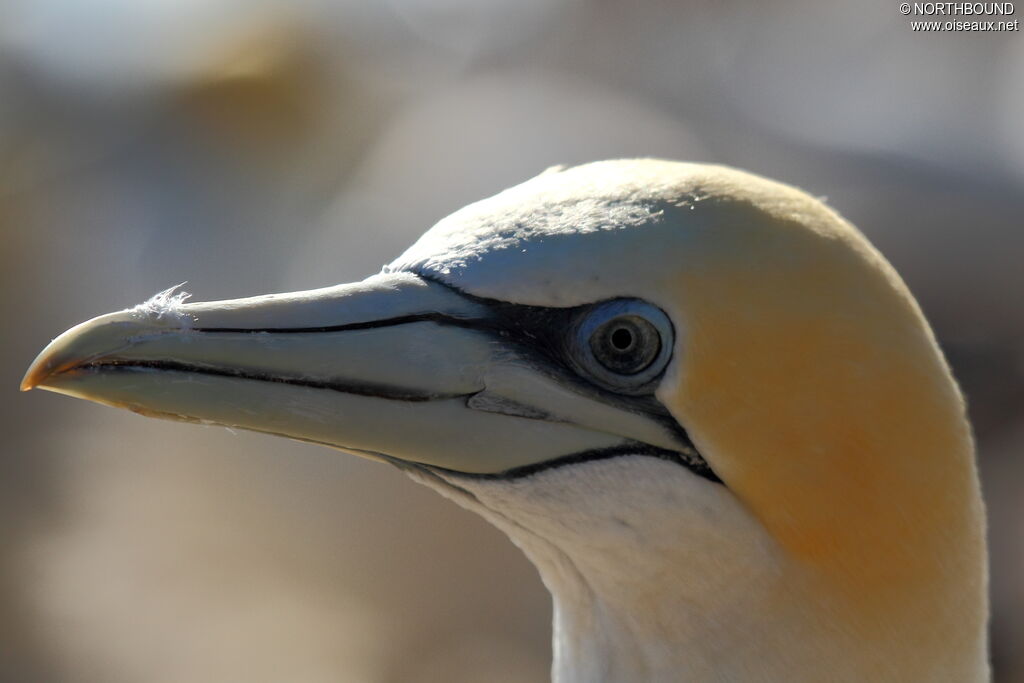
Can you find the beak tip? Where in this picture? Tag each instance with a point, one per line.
(43, 367)
(36, 375)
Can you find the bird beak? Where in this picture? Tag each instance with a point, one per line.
(395, 368)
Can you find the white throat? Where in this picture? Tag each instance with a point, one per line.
(656, 574)
(659, 575)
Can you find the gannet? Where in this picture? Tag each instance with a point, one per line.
(705, 407)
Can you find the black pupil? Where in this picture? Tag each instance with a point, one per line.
(626, 345)
(622, 338)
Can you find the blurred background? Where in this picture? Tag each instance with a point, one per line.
(250, 146)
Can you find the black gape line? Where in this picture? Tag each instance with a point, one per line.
(538, 333)
(690, 459)
(373, 389)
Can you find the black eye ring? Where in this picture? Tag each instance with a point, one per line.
(623, 345)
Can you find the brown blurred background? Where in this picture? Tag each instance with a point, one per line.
(250, 146)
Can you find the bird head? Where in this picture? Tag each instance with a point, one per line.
(645, 340)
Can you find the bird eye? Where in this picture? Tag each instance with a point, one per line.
(623, 344)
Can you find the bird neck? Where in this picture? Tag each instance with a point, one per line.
(814, 387)
(658, 575)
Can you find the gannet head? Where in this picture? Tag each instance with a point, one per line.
(700, 400)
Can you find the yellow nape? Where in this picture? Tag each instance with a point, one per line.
(816, 389)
